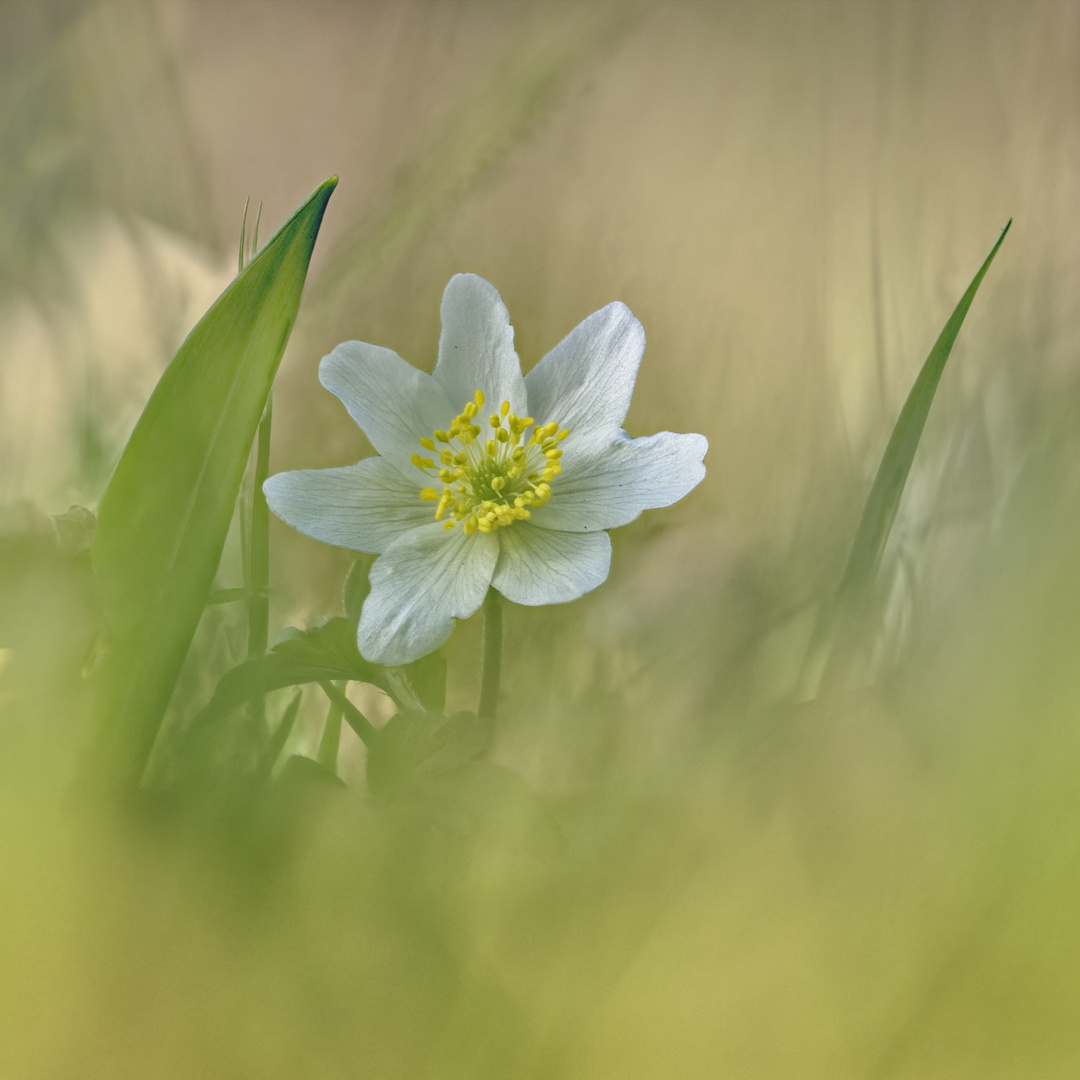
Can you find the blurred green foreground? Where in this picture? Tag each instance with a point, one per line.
(682, 864)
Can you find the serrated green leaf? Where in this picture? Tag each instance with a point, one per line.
(319, 654)
(166, 512)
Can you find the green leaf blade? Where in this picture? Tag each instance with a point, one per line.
(879, 511)
(882, 504)
(165, 515)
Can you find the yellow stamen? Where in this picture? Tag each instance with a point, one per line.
(495, 472)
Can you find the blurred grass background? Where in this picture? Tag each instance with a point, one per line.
(711, 878)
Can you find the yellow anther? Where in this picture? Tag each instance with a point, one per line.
(562, 434)
(490, 482)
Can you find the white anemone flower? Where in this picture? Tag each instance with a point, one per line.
(485, 477)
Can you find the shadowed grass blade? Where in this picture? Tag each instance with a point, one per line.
(166, 512)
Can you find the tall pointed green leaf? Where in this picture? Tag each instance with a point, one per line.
(884, 498)
(879, 511)
(166, 513)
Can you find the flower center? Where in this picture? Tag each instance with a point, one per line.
(491, 481)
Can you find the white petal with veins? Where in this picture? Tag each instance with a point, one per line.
(541, 566)
(586, 381)
(393, 403)
(476, 348)
(363, 507)
(420, 584)
(610, 485)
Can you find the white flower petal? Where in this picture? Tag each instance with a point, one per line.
(420, 584)
(364, 507)
(586, 381)
(395, 404)
(609, 485)
(542, 566)
(476, 348)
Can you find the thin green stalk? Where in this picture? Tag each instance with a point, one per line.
(280, 737)
(327, 755)
(351, 714)
(491, 658)
(243, 237)
(255, 233)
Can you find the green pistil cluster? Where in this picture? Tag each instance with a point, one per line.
(490, 482)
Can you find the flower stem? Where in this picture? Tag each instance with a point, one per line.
(491, 658)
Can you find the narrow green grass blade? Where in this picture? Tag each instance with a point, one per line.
(879, 511)
(166, 512)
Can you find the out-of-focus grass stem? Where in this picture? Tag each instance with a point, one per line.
(240, 260)
(327, 755)
(280, 736)
(363, 727)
